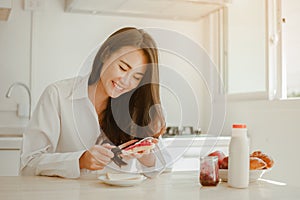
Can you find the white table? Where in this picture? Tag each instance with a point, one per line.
(175, 185)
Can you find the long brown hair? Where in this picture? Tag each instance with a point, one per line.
(116, 123)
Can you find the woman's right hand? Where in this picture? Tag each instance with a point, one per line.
(97, 157)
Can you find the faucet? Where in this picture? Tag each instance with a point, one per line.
(8, 94)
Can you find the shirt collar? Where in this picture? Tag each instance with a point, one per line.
(79, 89)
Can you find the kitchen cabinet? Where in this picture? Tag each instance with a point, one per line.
(10, 148)
(186, 151)
(10, 162)
(162, 9)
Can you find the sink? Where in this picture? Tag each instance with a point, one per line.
(11, 131)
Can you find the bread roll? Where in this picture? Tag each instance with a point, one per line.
(257, 163)
(267, 159)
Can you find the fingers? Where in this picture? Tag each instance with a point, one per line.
(155, 141)
(108, 146)
(103, 152)
(97, 157)
(131, 156)
(138, 155)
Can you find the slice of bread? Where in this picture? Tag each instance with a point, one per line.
(143, 146)
(139, 149)
(122, 176)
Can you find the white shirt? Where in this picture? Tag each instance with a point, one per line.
(63, 126)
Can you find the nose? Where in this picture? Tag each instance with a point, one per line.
(125, 80)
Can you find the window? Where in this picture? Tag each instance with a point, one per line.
(283, 63)
(263, 46)
(290, 46)
(246, 71)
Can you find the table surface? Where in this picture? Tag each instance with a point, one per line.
(173, 185)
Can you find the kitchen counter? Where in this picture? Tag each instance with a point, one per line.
(174, 185)
(196, 141)
(184, 149)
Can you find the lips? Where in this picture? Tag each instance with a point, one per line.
(118, 87)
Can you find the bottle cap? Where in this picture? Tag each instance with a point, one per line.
(239, 126)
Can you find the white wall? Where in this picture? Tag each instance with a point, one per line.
(62, 40)
(14, 61)
(60, 44)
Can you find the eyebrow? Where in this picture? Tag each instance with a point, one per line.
(125, 63)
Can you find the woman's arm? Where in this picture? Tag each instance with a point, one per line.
(41, 138)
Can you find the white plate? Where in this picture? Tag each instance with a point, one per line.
(253, 174)
(123, 183)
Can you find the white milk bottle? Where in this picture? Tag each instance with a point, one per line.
(238, 162)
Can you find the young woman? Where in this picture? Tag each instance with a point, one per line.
(118, 102)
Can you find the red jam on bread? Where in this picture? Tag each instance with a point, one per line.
(139, 147)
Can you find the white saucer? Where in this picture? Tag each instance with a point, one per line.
(123, 183)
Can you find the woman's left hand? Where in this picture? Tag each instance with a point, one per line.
(139, 154)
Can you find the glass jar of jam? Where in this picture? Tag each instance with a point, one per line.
(209, 171)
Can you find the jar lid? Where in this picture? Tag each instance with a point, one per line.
(239, 126)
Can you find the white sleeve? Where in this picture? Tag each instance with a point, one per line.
(40, 141)
(163, 160)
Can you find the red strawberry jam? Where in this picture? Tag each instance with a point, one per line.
(143, 143)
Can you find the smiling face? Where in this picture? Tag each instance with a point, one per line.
(122, 71)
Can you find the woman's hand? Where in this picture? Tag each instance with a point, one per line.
(134, 155)
(146, 157)
(97, 157)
